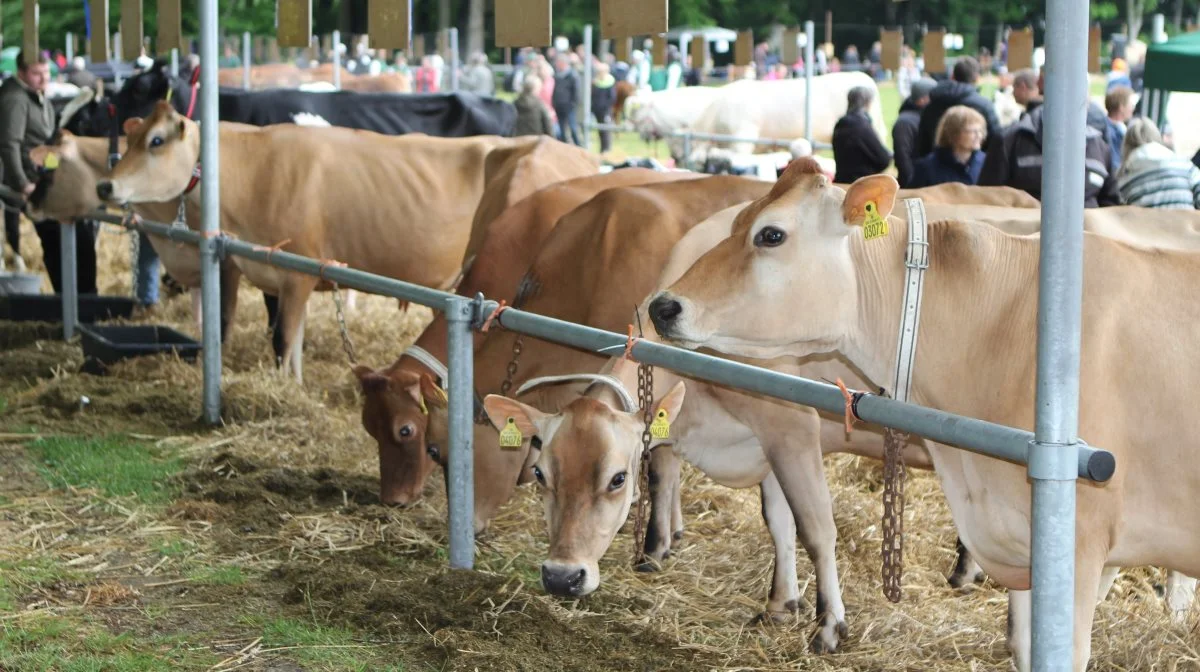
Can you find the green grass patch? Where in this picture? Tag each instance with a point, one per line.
(20, 577)
(218, 576)
(323, 647)
(173, 548)
(70, 644)
(114, 465)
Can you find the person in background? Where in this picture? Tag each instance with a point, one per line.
(78, 74)
(545, 72)
(566, 100)
(904, 131)
(1196, 158)
(674, 67)
(1119, 104)
(230, 59)
(959, 154)
(1025, 89)
(426, 80)
(959, 90)
(400, 64)
(1151, 175)
(857, 150)
(27, 120)
(478, 78)
(533, 118)
(850, 62)
(1014, 159)
(1118, 75)
(604, 96)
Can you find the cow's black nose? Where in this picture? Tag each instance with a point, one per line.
(104, 190)
(563, 581)
(663, 311)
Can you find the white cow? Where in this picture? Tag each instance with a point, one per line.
(775, 109)
(655, 115)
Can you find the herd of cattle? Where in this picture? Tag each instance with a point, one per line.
(534, 222)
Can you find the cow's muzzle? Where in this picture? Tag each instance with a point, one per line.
(664, 312)
(104, 190)
(564, 581)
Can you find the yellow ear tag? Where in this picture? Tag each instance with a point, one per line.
(874, 226)
(441, 394)
(51, 162)
(510, 436)
(661, 427)
(424, 408)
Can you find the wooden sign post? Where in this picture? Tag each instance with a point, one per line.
(743, 52)
(630, 18)
(892, 43)
(389, 23)
(293, 23)
(699, 49)
(934, 51)
(622, 46)
(29, 43)
(1020, 49)
(131, 29)
(99, 31)
(791, 47)
(1094, 49)
(658, 50)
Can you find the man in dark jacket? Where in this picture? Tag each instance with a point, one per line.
(604, 96)
(857, 149)
(904, 131)
(959, 90)
(27, 121)
(1014, 159)
(566, 100)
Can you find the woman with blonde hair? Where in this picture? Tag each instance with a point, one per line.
(958, 151)
(1151, 175)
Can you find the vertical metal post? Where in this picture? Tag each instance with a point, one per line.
(1053, 454)
(210, 211)
(70, 47)
(68, 279)
(461, 469)
(587, 87)
(1158, 32)
(454, 61)
(810, 64)
(337, 60)
(174, 63)
(247, 60)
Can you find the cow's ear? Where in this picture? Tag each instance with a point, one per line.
(875, 193)
(666, 411)
(432, 394)
(502, 411)
(131, 125)
(182, 129)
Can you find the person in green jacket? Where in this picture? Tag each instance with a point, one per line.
(27, 120)
(533, 118)
(604, 96)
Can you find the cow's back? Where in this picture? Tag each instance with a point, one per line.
(956, 193)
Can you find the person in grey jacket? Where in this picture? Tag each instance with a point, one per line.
(478, 78)
(27, 120)
(567, 92)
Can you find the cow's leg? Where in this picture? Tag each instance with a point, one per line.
(966, 571)
(1181, 594)
(1089, 567)
(196, 310)
(1020, 629)
(677, 511)
(664, 497)
(272, 306)
(351, 299)
(795, 457)
(784, 600)
(231, 275)
(293, 303)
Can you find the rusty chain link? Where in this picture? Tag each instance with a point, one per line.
(894, 476)
(645, 399)
(347, 345)
(511, 372)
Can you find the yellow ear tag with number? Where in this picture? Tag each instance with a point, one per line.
(874, 226)
(661, 427)
(424, 408)
(510, 436)
(51, 162)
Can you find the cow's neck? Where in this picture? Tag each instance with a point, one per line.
(979, 300)
(94, 154)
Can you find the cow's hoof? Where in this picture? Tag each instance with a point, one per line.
(650, 565)
(965, 581)
(826, 639)
(779, 616)
(677, 535)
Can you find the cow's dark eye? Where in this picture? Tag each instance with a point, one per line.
(769, 236)
(156, 141)
(406, 432)
(434, 451)
(616, 482)
(537, 473)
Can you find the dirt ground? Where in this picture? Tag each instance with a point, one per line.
(134, 538)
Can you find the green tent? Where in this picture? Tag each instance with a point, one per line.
(1174, 65)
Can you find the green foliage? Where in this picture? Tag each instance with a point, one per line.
(218, 576)
(114, 465)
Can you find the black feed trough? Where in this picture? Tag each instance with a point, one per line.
(48, 308)
(106, 345)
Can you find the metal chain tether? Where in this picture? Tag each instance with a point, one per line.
(347, 345)
(512, 366)
(894, 476)
(645, 399)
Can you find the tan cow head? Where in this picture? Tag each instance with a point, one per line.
(587, 470)
(403, 412)
(784, 282)
(69, 191)
(157, 164)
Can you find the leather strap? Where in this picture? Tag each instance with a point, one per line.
(917, 261)
(422, 355)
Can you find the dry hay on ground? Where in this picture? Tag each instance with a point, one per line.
(286, 490)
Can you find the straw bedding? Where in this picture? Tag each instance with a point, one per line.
(286, 489)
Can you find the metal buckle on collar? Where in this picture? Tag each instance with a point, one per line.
(918, 255)
(113, 159)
